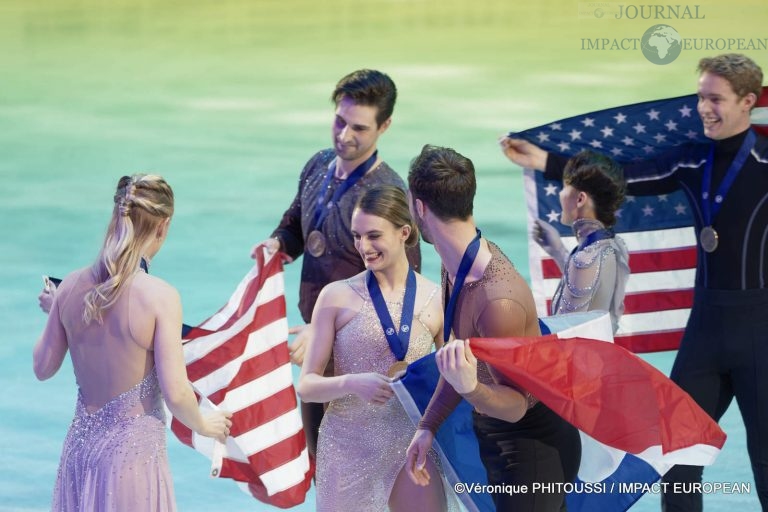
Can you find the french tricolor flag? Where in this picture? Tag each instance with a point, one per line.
(635, 423)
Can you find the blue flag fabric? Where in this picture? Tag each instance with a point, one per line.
(456, 443)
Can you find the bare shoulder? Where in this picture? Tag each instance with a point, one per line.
(338, 302)
(428, 292)
(429, 304)
(339, 293)
(151, 290)
(427, 284)
(70, 279)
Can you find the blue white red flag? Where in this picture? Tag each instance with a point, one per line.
(634, 422)
(656, 229)
(238, 360)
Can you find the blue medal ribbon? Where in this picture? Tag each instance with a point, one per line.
(708, 208)
(397, 339)
(595, 236)
(470, 253)
(323, 206)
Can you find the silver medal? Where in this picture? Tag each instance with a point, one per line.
(315, 243)
(708, 239)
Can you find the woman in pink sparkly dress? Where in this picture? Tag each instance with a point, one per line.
(122, 328)
(365, 430)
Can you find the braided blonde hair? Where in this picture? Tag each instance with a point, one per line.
(142, 202)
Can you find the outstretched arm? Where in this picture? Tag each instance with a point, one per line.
(661, 172)
(524, 153)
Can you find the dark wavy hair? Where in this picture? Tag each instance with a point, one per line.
(445, 181)
(370, 88)
(600, 177)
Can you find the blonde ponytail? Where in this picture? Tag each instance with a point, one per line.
(141, 203)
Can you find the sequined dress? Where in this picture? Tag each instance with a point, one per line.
(115, 459)
(361, 446)
(595, 275)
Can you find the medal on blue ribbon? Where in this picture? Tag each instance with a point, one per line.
(595, 236)
(398, 339)
(316, 243)
(708, 237)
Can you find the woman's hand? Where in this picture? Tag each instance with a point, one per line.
(416, 457)
(371, 387)
(217, 425)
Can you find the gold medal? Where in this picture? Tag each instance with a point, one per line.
(315, 244)
(708, 239)
(396, 368)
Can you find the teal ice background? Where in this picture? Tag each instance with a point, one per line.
(227, 100)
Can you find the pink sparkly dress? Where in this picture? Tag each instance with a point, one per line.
(361, 446)
(115, 459)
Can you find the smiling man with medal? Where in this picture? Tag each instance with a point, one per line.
(724, 349)
(484, 296)
(317, 223)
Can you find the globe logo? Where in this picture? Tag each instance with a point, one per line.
(661, 44)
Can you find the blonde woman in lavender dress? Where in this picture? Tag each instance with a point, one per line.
(365, 430)
(122, 328)
(595, 273)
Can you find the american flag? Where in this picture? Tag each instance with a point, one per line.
(238, 360)
(657, 229)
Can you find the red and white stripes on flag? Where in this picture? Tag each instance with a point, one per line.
(238, 360)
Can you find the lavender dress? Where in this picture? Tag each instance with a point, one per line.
(115, 459)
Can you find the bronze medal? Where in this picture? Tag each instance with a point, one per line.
(708, 239)
(396, 368)
(315, 244)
